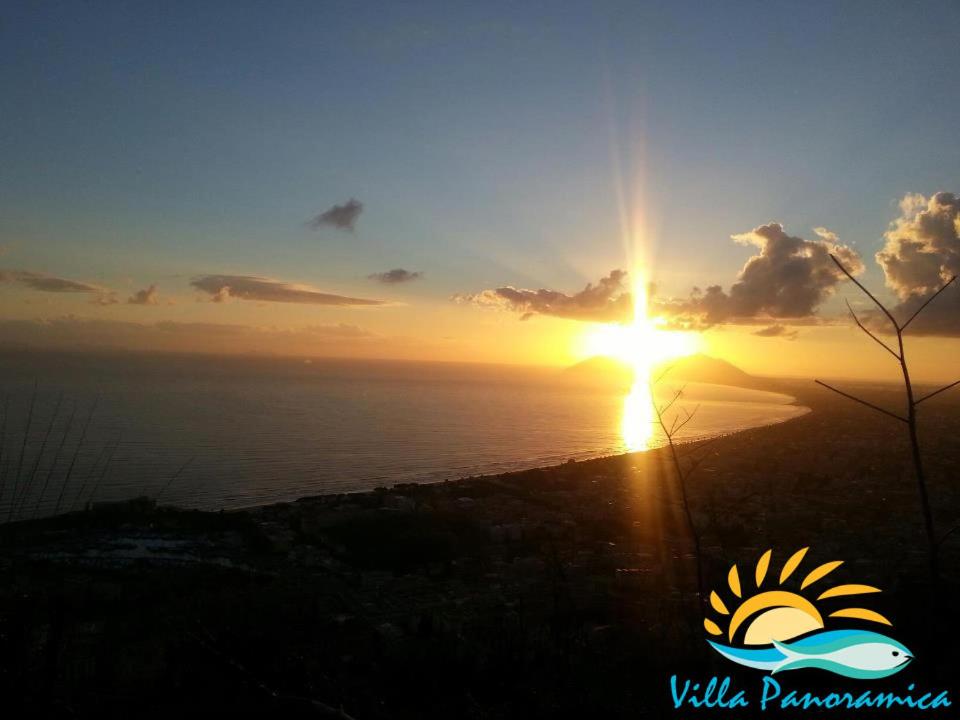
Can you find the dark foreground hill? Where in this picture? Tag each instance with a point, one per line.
(563, 592)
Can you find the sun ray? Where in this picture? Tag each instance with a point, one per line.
(717, 604)
(820, 572)
(761, 617)
(841, 590)
(861, 614)
(792, 564)
(733, 579)
(762, 566)
(711, 627)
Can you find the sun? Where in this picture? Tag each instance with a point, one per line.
(644, 341)
(766, 612)
(642, 345)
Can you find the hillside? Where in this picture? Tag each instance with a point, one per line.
(604, 370)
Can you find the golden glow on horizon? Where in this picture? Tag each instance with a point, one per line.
(643, 345)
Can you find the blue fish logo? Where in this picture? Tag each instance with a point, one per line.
(780, 628)
(856, 654)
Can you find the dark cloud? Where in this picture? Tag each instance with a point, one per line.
(395, 276)
(607, 301)
(248, 287)
(341, 217)
(788, 279)
(941, 317)
(776, 330)
(147, 296)
(50, 283)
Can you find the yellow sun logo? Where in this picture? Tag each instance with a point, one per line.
(768, 613)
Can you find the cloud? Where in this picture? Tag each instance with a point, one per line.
(776, 330)
(341, 217)
(395, 276)
(607, 301)
(923, 245)
(43, 282)
(147, 296)
(788, 279)
(249, 287)
(921, 253)
(50, 283)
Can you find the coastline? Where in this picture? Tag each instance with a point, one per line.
(518, 582)
(562, 459)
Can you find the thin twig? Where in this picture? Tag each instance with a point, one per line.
(76, 453)
(174, 477)
(866, 292)
(56, 458)
(23, 449)
(688, 418)
(25, 491)
(927, 302)
(862, 402)
(947, 534)
(873, 337)
(937, 392)
(103, 473)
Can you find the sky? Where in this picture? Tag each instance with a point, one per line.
(361, 179)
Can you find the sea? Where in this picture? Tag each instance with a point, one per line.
(231, 432)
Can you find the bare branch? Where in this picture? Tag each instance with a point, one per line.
(873, 337)
(673, 425)
(688, 418)
(866, 292)
(863, 402)
(947, 534)
(662, 375)
(696, 446)
(927, 302)
(665, 408)
(936, 392)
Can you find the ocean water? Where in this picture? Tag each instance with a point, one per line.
(232, 432)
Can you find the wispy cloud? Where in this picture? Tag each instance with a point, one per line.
(395, 276)
(777, 330)
(249, 287)
(341, 217)
(607, 301)
(42, 282)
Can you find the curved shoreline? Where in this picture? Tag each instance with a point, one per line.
(566, 458)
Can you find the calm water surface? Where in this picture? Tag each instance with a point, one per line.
(253, 431)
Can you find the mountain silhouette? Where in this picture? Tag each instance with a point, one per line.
(603, 370)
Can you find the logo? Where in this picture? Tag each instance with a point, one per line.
(768, 622)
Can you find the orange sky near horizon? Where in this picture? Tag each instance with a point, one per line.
(440, 331)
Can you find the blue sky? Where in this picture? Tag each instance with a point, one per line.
(152, 142)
